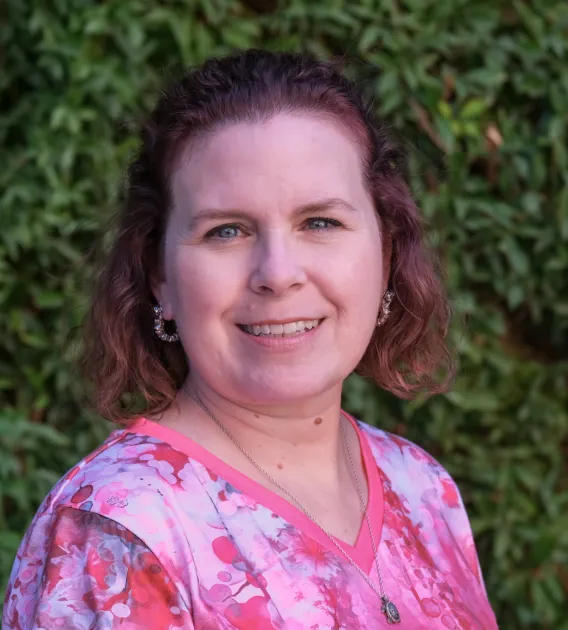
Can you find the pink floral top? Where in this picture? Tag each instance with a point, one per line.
(153, 531)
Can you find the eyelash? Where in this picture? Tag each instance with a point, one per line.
(332, 222)
(214, 233)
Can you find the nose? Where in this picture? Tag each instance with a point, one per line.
(277, 266)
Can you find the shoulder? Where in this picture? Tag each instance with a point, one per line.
(126, 462)
(417, 484)
(125, 495)
(406, 463)
(133, 479)
(394, 448)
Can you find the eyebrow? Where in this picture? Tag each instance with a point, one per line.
(314, 207)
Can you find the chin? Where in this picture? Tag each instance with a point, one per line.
(284, 391)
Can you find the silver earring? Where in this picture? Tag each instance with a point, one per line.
(159, 326)
(385, 307)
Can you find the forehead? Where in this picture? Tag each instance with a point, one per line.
(288, 158)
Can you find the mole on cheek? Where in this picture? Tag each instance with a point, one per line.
(280, 466)
(318, 421)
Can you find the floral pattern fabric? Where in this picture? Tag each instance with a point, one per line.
(153, 531)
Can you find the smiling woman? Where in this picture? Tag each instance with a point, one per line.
(268, 217)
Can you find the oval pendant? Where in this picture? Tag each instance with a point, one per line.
(390, 610)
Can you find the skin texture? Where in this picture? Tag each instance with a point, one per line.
(272, 260)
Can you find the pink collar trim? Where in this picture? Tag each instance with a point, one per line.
(361, 552)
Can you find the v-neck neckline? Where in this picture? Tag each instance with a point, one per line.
(361, 552)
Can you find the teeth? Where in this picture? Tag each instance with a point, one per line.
(282, 329)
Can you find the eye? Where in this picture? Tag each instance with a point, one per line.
(224, 232)
(321, 223)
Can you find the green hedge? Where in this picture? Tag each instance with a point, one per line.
(479, 89)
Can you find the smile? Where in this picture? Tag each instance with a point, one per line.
(288, 329)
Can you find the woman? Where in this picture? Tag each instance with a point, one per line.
(267, 215)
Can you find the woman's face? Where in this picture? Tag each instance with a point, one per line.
(271, 226)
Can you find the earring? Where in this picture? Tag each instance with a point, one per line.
(385, 307)
(159, 326)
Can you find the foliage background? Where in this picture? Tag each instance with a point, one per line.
(477, 87)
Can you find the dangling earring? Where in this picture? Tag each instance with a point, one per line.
(385, 307)
(159, 326)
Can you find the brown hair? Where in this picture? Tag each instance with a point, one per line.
(123, 357)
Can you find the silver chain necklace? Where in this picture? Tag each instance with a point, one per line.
(388, 607)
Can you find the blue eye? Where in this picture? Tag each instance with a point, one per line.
(224, 232)
(320, 223)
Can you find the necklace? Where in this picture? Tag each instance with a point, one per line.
(388, 607)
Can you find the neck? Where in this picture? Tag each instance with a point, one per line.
(299, 439)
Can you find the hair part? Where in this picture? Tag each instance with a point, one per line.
(130, 368)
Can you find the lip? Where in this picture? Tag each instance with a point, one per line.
(284, 344)
(281, 322)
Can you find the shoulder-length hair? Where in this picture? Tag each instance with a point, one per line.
(124, 359)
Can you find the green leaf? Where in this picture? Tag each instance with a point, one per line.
(368, 38)
(515, 296)
(445, 110)
(49, 299)
(473, 108)
(562, 213)
(516, 256)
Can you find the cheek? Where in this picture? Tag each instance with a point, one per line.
(354, 276)
(204, 286)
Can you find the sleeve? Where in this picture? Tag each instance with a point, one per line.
(96, 574)
(441, 493)
(456, 517)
